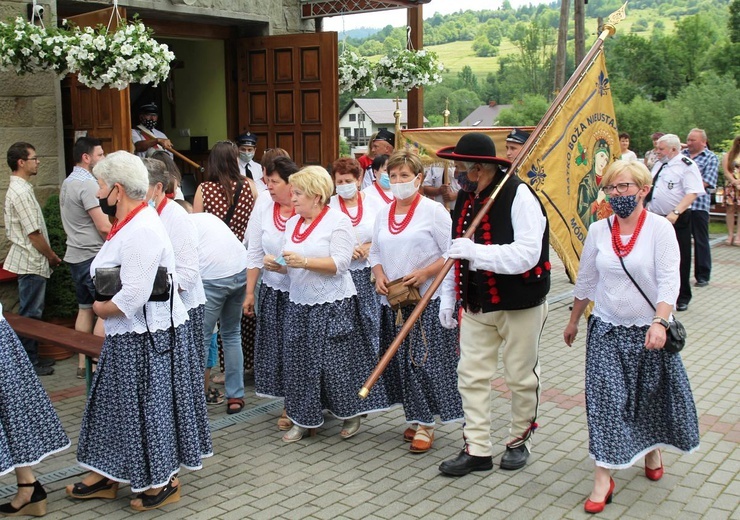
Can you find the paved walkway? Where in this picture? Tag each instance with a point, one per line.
(255, 475)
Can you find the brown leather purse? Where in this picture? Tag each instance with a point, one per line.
(400, 295)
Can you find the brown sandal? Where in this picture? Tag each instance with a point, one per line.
(234, 401)
(284, 423)
(423, 440)
(408, 434)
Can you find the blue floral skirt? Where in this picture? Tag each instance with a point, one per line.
(30, 429)
(268, 344)
(423, 373)
(145, 417)
(369, 303)
(327, 359)
(637, 399)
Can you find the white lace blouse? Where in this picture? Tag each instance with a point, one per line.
(332, 237)
(653, 263)
(139, 248)
(184, 237)
(425, 240)
(371, 206)
(263, 238)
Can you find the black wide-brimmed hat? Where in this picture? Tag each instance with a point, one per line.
(473, 147)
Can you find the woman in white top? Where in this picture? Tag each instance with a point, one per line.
(326, 354)
(638, 397)
(380, 189)
(144, 418)
(361, 210)
(265, 237)
(410, 239)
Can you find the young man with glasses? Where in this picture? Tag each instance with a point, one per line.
(30, 255)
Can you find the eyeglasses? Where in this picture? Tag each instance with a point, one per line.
(33, 159)
(622, 187)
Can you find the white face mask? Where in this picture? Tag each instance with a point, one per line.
(404, 190)
(347, 191)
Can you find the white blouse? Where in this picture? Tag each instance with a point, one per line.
(372, 191)
(263, 238)
(220, 253)
(653, 263)
(139, 248)
(184, 237)
(332, 237)
(371, 206)
(425, 240)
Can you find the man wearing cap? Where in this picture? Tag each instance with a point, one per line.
(383, 144)
(514, 143)
(146, 137)
(502, 278)
(247, 143)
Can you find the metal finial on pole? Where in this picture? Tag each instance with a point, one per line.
(446, 113)
(397, 116)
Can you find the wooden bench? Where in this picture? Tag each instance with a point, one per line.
(69, 339)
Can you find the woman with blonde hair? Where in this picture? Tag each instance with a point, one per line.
(326, 352)
(638, 397)
(731, 166)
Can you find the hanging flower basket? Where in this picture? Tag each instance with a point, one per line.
(355, 74)
(27, 48)
(405, 69)
(129, 54)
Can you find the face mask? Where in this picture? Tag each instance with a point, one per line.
(465, 184)
(385, 181)
(404, 190)
(624, 205)
(246, 156)
(152, 204)
(105, 207)
(347, 191)
(150, 124)
(664, 159)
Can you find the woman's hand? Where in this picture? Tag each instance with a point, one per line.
(381, 283)
(295, 260)
(416, 278)
(361, 252)
(270, 264)
(655, 337)
(248, 305)
(570, 333)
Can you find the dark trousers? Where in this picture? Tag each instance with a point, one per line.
(31, 293)
(702, 253)
(683, 235)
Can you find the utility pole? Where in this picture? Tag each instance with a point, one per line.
(562, 54)
(579, 14)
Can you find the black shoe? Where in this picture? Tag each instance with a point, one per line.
(43, 371)
(680, 307)
(35, 507)
(515, 458)
(46, 362)
(464, 464)
(701, 283)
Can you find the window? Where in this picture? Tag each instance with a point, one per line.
(347, 132)
(362, 117)
(352, 118)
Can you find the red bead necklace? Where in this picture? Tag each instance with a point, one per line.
(299, 237)
(621, 249)
(396, 228)
(160, 207)
(117, 226)
(385, 197)
(356, 219)
(278, 219)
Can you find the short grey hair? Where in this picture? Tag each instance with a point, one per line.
(672, 141)
(157, 172)
(125, 169)
(486, 166)
(701, 132)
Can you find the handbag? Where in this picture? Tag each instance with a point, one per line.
(675, 334)
(400, 296)
(107, 282)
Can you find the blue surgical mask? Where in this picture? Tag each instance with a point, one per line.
(385, 181)
(152, 204)
(624, 205)
(461, 176)
(246, 156)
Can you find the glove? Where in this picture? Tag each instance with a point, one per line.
(446, 318)
(462, 249)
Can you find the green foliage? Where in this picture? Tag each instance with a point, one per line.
(344, 149)
(60, 289)
(467, 79)
(462, 102)
(640, 118)
(526, 112)
(640, 25)
(733, 21)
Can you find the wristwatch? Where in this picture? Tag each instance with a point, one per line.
(676, 212)
(662, 321)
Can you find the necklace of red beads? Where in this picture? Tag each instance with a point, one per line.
(357, 218)
(278, 219)
(394, 227)
(621, 249)
(385, 197)
(299, 237)
(117, 226)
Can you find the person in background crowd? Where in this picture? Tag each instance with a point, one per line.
(638, 397)
(30, 255)
(147, 138)
(624, 147)
(268, 157)
(326, 352)
(174, 173)
(515, 142)
(86, 228)
(410, 238)
(366, 159)
(383, 143)
(651, 157)
(381, 188)
(248, 167)
(434, 186)
(731, 167)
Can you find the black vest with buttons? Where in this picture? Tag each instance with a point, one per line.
(486, 291)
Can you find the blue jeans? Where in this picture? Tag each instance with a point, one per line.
(31, 292)
(84, 287)
(224, 299)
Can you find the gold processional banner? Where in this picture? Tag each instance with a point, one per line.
(429, 140)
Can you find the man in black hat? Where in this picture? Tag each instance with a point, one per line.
(514, 143)
(146, 137)
(502, 279)
(247, 143)
(383, 144)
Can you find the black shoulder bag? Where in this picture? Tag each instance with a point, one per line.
(675, 334)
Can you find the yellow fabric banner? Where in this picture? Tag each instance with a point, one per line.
(566, 162)
(429, 140)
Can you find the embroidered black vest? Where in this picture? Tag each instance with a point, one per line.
(486, 291)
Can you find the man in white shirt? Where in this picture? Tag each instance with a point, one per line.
(676, 184)
(146, 137)
(383, 144)
(247, 144)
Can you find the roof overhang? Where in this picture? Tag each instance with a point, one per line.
(322, 8)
